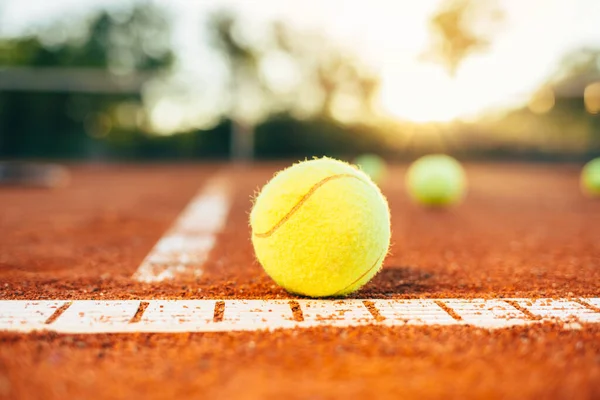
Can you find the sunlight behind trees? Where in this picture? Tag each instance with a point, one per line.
(444, 76)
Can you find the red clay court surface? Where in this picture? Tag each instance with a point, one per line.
(524, 231)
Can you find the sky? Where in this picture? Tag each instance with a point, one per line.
(390, 35)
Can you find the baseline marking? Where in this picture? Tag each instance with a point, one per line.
(487, 313)
(91, 316)
(25, 316)
(563, 310)
(184, 249)
(106, 316)
(594, 302)
(334, 313)
(413, 312)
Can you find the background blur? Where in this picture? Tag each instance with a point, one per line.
(216, 79)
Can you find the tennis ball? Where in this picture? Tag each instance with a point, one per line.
(590, 178)
(372, 165)
(320, 228)
(436, 180)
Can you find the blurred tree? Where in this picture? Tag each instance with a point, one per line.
(322, 68)
(137, 41)
(454, 33)
(66, 122)
(331, 70)
(283, 135)
(577, 70)
(577, 63)
(242, 60)
(555, 122)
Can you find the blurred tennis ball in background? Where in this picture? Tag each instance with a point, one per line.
(372, 165)
(321, 228)
(436, 180)
(590, 178)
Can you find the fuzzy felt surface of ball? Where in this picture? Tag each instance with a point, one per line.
(320, 228)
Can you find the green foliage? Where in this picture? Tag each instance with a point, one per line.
(202, 144)
(52, 124)
(454, 37)
(283, 136)
(138, 42)
(86, 125)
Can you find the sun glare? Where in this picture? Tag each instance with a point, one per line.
(392, 37)
(426, 93)
(413, 89)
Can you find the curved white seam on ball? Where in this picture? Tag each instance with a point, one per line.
(381, 256)
(305, 197)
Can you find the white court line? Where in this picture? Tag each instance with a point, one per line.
(186, 245)
(487, 313)
(18, 315)
(595, 302)
(560, 309)
(410, 312)
(90, 315)
(334, 313)
(128, 316)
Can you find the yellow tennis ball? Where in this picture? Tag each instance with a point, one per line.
(590, 178)
(436, 180)
(321, 228)
(372, 165)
